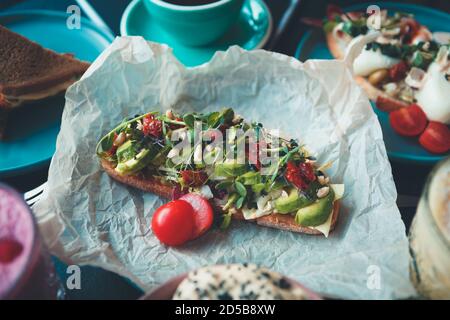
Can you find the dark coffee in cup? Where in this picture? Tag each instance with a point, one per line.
(190, 2)
(194, 22)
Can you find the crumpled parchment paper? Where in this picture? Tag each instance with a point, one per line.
(87, 218)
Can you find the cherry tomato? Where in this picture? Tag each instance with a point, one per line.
(203, 213)
(436, 138)
(9, 250)
(409, 121)
(173, 223)
(398, 71)
(389, 104)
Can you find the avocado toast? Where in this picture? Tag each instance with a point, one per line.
(245, 170)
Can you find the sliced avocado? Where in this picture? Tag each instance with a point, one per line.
(231, 169)
(126, 151)
(161, 156)
(250, 178)
(292, 203)
(317, 213)
(140, 161)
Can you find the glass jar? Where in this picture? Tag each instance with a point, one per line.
(430, 236)
(26, 269)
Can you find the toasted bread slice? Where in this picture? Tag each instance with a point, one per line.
(382, 100)
(278, 221)
(29, 72)
(287, 221)
(27, 69)
(142, 182)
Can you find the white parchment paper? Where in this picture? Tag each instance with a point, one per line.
(87, 218)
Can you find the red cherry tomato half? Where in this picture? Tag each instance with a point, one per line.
(389, 104)
(203, 213)
(409, 121)
(173, 223)
(436, 138)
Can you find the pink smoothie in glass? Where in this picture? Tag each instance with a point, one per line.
(26, 271)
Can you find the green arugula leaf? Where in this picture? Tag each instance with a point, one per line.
(240, 202)
(225, 221)
(189, 120)
(240, 188)
(228, 115)
(222, 185)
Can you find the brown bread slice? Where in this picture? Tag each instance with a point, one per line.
(27, 68)
(29, 72)
(278, 221)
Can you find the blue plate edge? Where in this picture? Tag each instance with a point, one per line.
(15, 171)
(33, 12)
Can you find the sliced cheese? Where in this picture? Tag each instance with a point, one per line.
(249, 214)
(369, 61)
(339, 190)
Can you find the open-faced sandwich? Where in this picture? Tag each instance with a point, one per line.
(405, 71)
(244, 170)
(30, 73)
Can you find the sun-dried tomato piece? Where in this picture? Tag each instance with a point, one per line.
(194, 178)
(151, 126)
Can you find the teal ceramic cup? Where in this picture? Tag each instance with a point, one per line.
(195, 25)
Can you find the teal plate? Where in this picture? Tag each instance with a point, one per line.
(251, 31)
(32, 130)
(400, 149)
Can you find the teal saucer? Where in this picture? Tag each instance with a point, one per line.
(251, 31)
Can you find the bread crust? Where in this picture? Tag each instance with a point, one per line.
(275, 220)
(139, 181)
(374, 93)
